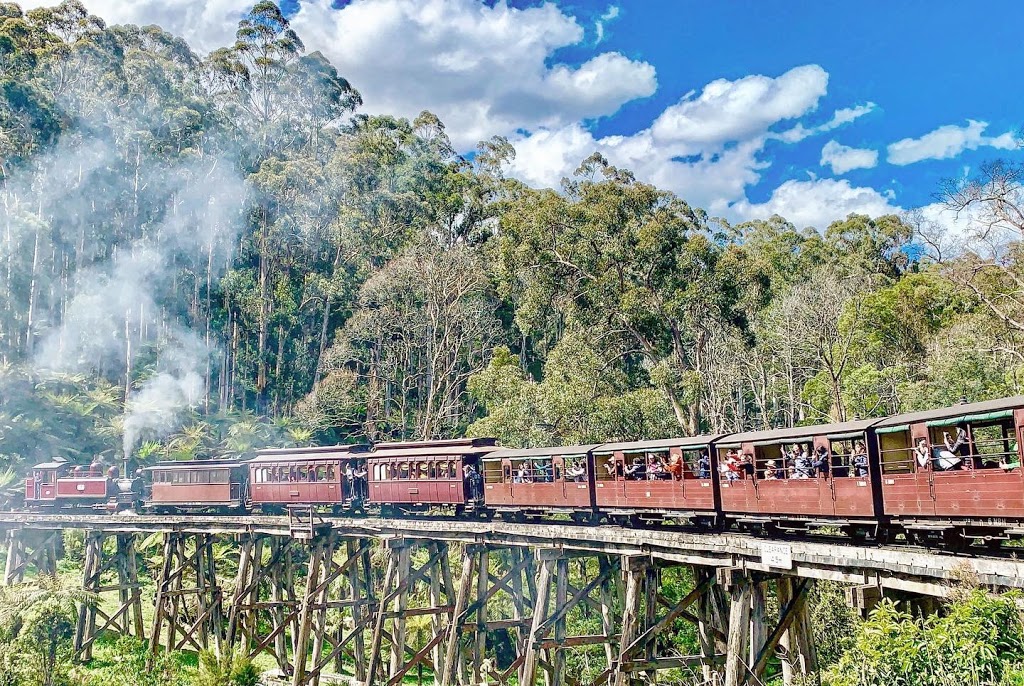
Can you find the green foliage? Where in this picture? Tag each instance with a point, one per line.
(37, 623)
(979, 641)
(226, 670)
(124, 663)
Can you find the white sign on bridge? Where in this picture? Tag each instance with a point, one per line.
(778, 555)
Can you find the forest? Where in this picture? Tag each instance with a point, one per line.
(204, 255)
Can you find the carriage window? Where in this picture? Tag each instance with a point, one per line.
(331, 475)
(896, 452)
(994, 445)
(403, 470)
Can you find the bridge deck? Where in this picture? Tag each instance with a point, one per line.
(907, 569)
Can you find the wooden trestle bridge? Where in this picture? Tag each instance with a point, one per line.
(473, 602)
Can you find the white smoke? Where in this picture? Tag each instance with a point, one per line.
(156, 408)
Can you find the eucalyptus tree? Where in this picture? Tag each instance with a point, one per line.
(629, 263)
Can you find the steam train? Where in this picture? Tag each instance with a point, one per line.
(875, 479)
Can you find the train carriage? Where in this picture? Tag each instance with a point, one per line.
(423, 473)
(197, 485)
(319, 476)
(684, 487)
(761, 481)
(976, 490)
(536, 481)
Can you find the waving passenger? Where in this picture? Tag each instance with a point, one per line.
(821, 463)
(704, 465)
(859, 459)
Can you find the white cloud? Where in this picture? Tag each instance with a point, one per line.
(706, 148)
(206, 25)
(610, 14)
(735, 110)
(817, 203)
(840, 117)
(947, 142)
(843, 158)
(483, 70)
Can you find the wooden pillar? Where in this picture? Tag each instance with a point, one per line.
(85, 630)
(561, 598)
(360, 609)
(378, 627)
(437, 625)
(635, 571)
(739, 632)
(316, 562)
(757, 626)
(540, 612)
(240, 594)
(480, 635)
(710, 614)
(13, 572)
(126, 546)
(398, 637)
(452, 654)
(607, 608)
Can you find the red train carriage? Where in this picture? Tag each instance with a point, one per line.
(538, 481)
(329, 475)
(197, 485)
(975, 489)
(58, 484)
(664, 477)
(799, 476)
(423, 473)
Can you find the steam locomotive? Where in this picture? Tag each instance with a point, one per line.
(949, 476)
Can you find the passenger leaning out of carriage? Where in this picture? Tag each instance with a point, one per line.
(859, 459)
(821, 462)
(656, 469)
(746, 466)
(959, 446)
(674, 468)
(577, 472)
(802, 466)
(522, 475)
(362, 486)
(731, 467)
(636, 471)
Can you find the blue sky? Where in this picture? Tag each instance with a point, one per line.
(744, 108)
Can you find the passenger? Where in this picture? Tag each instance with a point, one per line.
(1008, 462)
(802, 468)
(577, 472)
(704, 465)
(522, 475)
(959, 449)
(859, 459)
(821, 463)
(922, 456)
(780, 472)
(349, 486)
(746, 465)
(769, 471)
(674, 468)
(655, 469)
(730, 467)
(543, 469)
(362, 487)
(636, 471)
(311, 474)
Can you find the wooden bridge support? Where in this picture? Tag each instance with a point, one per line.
(189, 601)
(337, 609)
(418, 583)
(751, 645)
(109, 555)
(27, 549)
(264, 608)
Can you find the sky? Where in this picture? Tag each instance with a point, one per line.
(746, 108)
